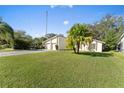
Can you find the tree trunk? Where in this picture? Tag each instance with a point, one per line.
(74, 49)
(78, 46)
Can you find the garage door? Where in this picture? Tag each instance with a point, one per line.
(48, 46)
(53, 46)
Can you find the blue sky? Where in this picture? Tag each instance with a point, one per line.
(60, 18)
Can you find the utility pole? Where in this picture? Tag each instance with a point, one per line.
(46, 21)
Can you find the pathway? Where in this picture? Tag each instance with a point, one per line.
(20, 52)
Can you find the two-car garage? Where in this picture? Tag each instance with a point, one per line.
(51, 46)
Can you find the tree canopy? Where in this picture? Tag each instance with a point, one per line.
(6, 34)
(22, 40)
(108, 29)
(78, 34)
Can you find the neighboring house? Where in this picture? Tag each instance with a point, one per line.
(95, 46)
(56, 42)
(120, 46)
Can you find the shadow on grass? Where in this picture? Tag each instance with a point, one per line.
(96, 54)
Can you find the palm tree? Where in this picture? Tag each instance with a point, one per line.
(71, 42)
(6, 34)
(77, 35)
(87, 41)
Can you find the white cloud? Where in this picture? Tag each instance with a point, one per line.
(52, 6)
(66, 22)
(61, 6)
(71, 6)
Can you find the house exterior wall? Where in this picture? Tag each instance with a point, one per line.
(122, 44)
(95, 46)
(62, 42)
(51, 44)
(83, 47)
(99, 47)
(54, 40)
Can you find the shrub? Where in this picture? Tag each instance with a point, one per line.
(22, 44)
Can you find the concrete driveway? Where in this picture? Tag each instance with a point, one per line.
(20, 52)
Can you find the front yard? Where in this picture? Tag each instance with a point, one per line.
(62, 69)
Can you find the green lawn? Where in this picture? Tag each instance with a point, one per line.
(62, 69)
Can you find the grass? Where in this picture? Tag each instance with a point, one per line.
(62, 69)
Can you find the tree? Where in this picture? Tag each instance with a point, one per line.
(87, 41)
(19, 34)
(111, 39)
(77, 35)
(22, 41)
(108, 29)
(38, 42)
(6, 34)
(71, 42)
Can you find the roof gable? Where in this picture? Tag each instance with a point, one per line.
(122, 36)
(53, 38)
(98, 41)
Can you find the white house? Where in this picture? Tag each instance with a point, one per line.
(55, 42)
(120, 46)
(95, 46)
(59, 42)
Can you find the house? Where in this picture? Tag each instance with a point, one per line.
(120, 45)
(95, 46)
(57, 42)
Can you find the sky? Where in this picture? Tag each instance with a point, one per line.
(31, 19)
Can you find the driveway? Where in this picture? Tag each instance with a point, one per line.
(20, 52)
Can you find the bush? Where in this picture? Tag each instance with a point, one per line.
(5, 46)
(1, 47)
(22, 44)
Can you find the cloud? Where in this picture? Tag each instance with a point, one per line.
(71, 6)
(62, 6)
(66, 22)
(52, 6)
